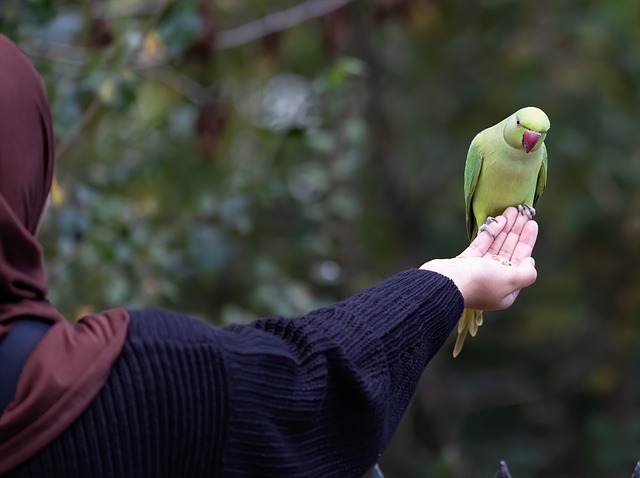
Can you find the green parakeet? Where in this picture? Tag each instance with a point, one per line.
(506, 166)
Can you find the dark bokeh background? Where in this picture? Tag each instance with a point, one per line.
(235, 168)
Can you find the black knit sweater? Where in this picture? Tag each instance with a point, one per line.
(315, 396)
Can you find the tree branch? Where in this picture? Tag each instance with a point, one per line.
(108, 11)
(179, 82)
(78, 128)
(276, 22)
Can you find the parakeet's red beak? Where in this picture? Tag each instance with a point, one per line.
(530, 139)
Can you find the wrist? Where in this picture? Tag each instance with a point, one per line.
(455, 271)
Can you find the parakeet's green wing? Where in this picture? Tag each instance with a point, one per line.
(542, 176)
(471, 175)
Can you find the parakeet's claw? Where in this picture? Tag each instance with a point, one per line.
(487, 227)
(528, 210)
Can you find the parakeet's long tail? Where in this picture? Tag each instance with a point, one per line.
(469, 321)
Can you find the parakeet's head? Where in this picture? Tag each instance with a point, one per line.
(526, 129)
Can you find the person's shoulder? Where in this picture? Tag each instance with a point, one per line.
(158, 313)
(166, 323)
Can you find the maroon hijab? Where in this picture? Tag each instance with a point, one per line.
(72, 361)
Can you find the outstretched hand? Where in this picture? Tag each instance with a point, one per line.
(491, 272)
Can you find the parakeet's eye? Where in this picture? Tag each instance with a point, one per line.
(518, 122)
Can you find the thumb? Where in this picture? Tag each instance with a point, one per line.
(528, 261)
(525, 273)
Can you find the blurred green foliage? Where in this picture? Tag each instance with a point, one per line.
(239, 176)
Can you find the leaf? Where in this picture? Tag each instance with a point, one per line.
(180, 29)
(57, 193)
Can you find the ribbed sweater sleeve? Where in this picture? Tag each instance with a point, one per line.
(321, 395)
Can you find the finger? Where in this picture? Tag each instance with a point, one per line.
(511, 215)
(513, 237)
(528, 238)
(510, 211)
(480, 245)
